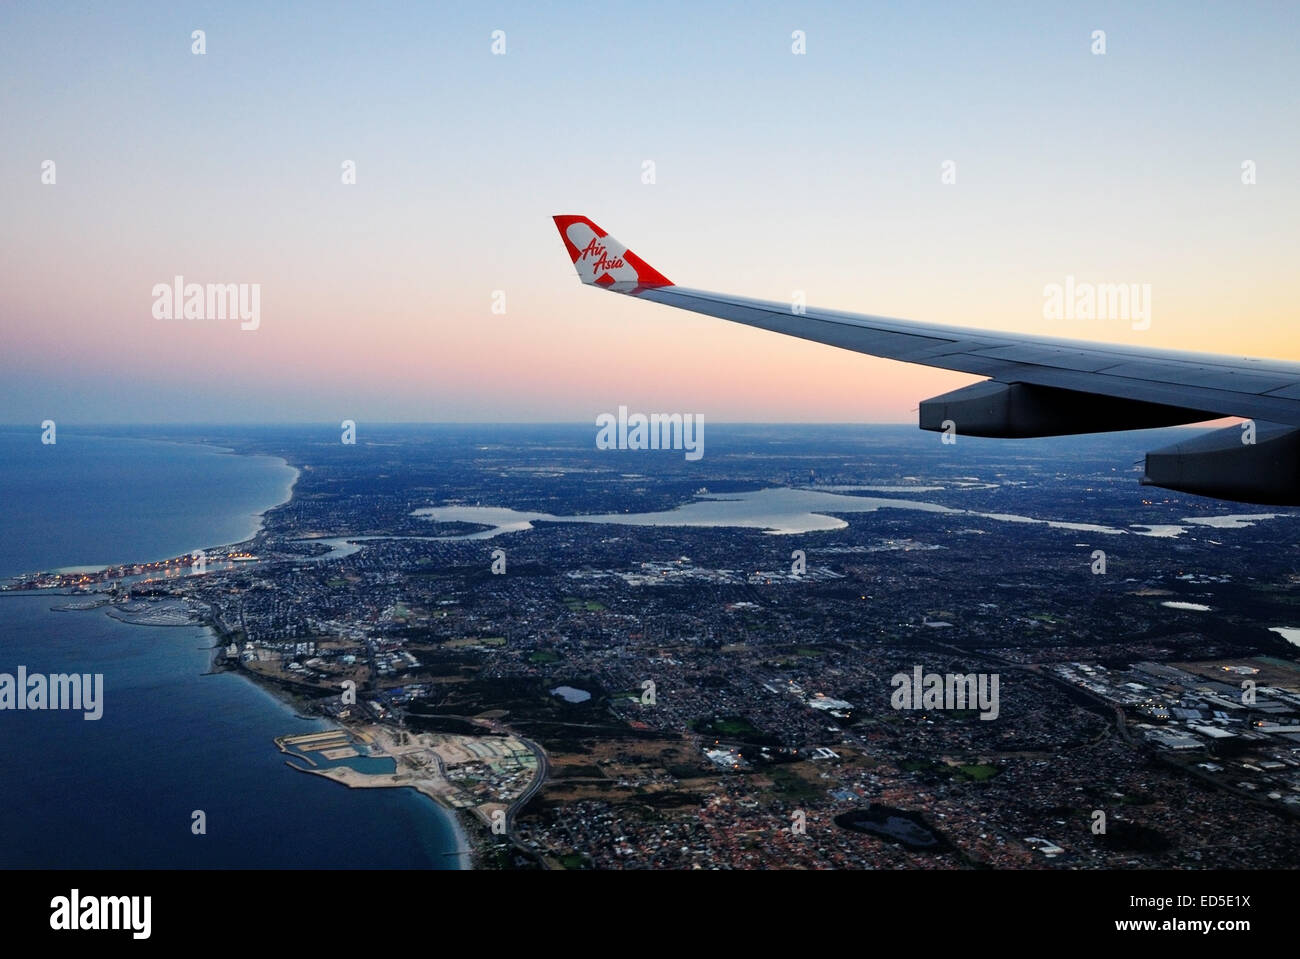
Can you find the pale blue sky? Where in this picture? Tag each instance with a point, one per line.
(774, 172)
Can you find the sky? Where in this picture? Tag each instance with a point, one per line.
(773, 172)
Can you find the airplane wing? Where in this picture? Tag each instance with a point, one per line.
(1038, 385)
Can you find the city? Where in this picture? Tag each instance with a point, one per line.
(720, 697)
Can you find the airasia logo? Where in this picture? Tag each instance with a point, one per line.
(597, 251)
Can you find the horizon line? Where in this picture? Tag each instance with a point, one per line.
(582, 423)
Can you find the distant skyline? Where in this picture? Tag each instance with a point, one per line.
(773, 172)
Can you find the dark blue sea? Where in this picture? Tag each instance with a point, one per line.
(120, 792)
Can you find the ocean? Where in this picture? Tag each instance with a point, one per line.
(122, 791)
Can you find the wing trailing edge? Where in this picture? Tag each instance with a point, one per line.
(1037, 385)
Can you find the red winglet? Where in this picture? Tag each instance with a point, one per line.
(602, 260)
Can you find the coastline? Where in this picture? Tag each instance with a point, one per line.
(257, 519)
(470, 851)
(468, 854)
